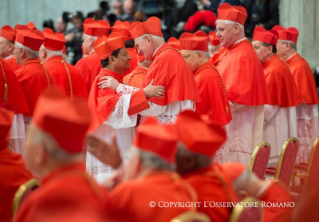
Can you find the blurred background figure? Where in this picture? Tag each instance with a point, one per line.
(61, 25)
(129, 10)
(117, 9)
(212, 5)
(74, 37)
(263, 13)
(139, 16)
(48, 24)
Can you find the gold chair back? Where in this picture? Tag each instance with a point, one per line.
(191, 216)
(244, 212)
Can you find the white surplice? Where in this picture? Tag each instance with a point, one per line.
(280, 123)
(307, 130)
(17, 139)
(120, 121)
(244, 132)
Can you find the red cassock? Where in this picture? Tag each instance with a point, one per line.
(213, 94)
(130, 201)
(15, 94)
(133, 61)
(243, 75)
(276, 194)
(13, 174)
(211, 185)
(89, 67)
(304, 79)
(67, 77)
(103, 101)
(170, 70)
(66, 194)
(281, 85)
(136, 78)
(33, 78)
(13, 63)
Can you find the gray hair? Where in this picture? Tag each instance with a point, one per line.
(243, 181)
(53, 149)
(292, 44)
(30, 54)
(231, 23)
(200, 158)
(205, 53)
(153, 161)
(51, 53)
(154, 37)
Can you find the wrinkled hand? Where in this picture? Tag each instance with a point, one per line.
(108, 82)
(154, 91)
(107, 153)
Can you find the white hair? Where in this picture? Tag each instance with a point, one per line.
(30, 54)
(153, 161)
(205, 53)
(53, 149)
(231, 23)
(90, 36)
(154, 37)
(51, 53)
(243, 182)
(212, 47)
(292, 44)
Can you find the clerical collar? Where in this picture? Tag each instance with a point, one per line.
(262, 190)
(8, 57)
(91, 52)
(291, 56)
(156, 50)
(143, 67)
(240, 40)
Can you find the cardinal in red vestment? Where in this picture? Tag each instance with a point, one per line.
(269, 192)
(137, 76)
(90, 65)
(68, 78)
(55, 154)
(200, 139)
(7, 38)
(12, 167)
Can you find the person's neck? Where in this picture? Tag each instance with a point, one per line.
(269, 56)
(113, 69)
(205, 60)
(8, 56)
(157, 45)
(289, 54)
(23, 60)
(256, 187)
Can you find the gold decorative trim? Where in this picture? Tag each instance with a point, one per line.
(5, 83)
(190, 216)
(239, 208)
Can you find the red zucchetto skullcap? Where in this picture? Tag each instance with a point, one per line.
(53, 41)
(199, 135)
(197, 41)
(157, 138)
(288, 34)
(232, 13)
(213, 39)
(152, 26)
(6, 119)
(123, 28)
(140, 57)
(261, 34)
(64, 119)
(106, 45)
(175, 43)
(8, 33)
(30, 38)
(233, 170)
(96, 28)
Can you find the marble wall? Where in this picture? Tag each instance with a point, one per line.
(14, 12)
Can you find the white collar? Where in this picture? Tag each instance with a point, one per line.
(240, 40)
(144, 67)
(8, 57)
(291, 56)
(156, 50)
(263, 188)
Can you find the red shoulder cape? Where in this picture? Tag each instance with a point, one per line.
(243, 75)
(304, 79)
(169, 69)
(281, 85)
(89, 67)
(15, 94)
(214, 98)
(58, 70)
(136, 77)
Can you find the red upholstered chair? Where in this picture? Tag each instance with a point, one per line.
(286, 161)
(191, 216)
(312, 170)
(259, 159)
(244, 212)
(23, 191)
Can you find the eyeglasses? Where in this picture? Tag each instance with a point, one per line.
(186, 57)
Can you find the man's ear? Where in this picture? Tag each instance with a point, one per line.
(149, 39)
(40, 156)
(91, 42)
(11, 47)
(237, 28)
